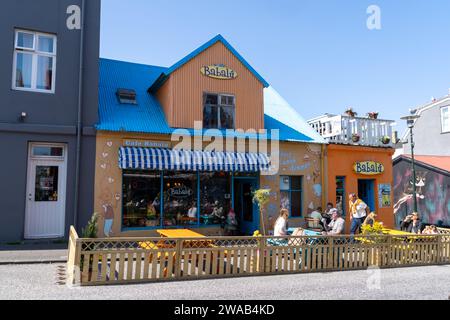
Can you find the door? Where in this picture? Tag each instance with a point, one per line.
(246, 210)
(46, 190)
(366, 192)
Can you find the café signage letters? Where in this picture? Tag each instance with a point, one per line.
(219, 71)
(368, 168)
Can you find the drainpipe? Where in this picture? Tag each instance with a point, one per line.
(79, 118)
(324, 175)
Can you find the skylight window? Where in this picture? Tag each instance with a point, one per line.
(126, 96)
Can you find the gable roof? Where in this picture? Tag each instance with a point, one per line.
(436, 163)
(148, 116)
(165, 75)
(424, 108)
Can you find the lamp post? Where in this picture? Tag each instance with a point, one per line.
(410, 120)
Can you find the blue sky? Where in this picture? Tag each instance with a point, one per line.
(318, 54)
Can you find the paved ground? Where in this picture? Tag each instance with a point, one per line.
(39, 281)
(31, 252)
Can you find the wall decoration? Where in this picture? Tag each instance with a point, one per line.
(368, 168)
(105, 154)
(384, 196)
(219, 71)
(433, 194)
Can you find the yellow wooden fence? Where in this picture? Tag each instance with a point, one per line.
(132, 260)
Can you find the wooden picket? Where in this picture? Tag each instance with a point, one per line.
(133, 260)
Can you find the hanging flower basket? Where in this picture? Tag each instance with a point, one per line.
(350, 112)
(373, 115)
(356, 137)
(385, 140)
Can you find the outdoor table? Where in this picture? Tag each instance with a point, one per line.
(179, 233)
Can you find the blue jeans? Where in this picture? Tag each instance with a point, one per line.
(356, 225)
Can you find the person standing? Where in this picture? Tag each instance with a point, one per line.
(358, 212)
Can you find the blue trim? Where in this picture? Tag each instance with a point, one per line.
(159, 82)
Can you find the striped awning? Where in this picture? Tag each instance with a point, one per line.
(182, 160)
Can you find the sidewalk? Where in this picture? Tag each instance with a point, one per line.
(32, 252)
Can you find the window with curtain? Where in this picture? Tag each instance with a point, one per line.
(218, 111)
(34, 61)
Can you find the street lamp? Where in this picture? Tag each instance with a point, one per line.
(410, 121)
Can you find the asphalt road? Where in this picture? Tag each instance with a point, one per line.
(40, 281)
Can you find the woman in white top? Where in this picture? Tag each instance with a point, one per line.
(280, 229)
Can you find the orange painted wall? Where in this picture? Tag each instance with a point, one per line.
(182, 95)
(340, 161)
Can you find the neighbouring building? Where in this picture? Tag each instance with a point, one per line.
(433, 188)
(46, 122)
(431, 130)
(358, 160)
(145, 181)
(432, 152)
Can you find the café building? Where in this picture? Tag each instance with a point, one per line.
(170, 155)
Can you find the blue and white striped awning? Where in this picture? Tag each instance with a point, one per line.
(182, 160)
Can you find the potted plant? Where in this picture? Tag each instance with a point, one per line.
(261, 197)
(356, 137)
(385, 140)
(373, 115)
(89, 232)
(350, 112)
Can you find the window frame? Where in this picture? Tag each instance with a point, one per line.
(219, 107)
(343, 179)
(445, 130)
(290, 191)
(35, 54)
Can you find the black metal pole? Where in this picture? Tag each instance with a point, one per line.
(413, 171)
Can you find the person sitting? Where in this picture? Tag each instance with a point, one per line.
(337, 224)
(406, 222)
(430, 230)
(416, 224)
(192, 212)
(318, 222)
(280, 229)
(231, 224)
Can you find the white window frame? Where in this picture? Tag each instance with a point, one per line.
(47, 145)
(445, 130)
(220, 105)
(34, 65)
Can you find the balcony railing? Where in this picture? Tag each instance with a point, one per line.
(343, 129)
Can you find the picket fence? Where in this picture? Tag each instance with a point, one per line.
(136, 260)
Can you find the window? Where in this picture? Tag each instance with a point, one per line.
(340, 195)
(126, 96)
(291, 195)
(141, 199)
(46, 188)
(215, 197)
(180, 196)
(445, 119)
(218, 111)
(34, 61)
(47, 151)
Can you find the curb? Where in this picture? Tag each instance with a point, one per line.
(24, 262)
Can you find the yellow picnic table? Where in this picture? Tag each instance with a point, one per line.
(179, 233)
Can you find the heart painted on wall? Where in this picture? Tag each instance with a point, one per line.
(105, 154)
(110, 180)
(109, 144)
(103, 166)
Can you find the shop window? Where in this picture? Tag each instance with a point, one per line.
(34, 63)
(215, 197)
(291, 195)
(445, 119)
(340, 195)
(180, 199)
(218, 111)
(141, 199)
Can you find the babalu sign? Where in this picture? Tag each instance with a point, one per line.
(219, 71)
(368, 168)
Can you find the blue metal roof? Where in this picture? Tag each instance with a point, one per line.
(148, 116)
(163, 76)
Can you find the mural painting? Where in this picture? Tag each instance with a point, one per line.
(433, 194)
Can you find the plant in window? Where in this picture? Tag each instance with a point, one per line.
(262, 197)
(373, 115)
